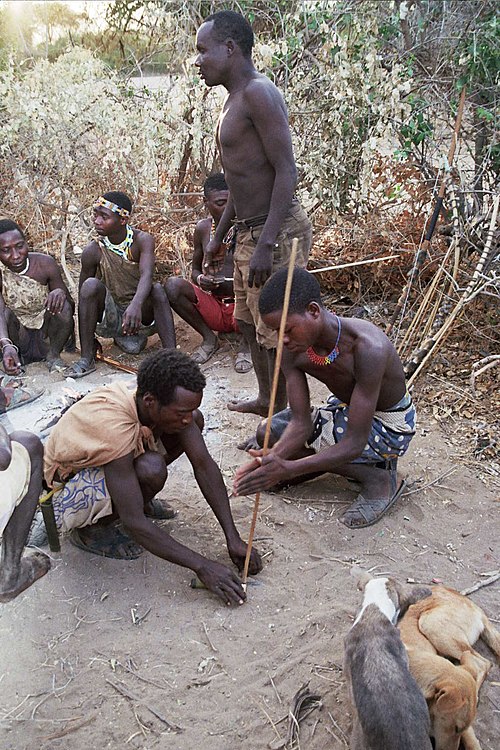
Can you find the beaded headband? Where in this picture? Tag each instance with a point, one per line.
(101, 201)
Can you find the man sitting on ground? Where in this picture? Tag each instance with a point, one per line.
(368, 422)
(207, 303)
(36, 309)
(21, 456)
(117, 296)
(116, 471)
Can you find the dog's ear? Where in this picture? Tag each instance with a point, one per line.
(360, 576)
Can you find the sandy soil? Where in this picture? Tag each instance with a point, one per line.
(225, 677)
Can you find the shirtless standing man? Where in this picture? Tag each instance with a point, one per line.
(367, 423)
(255, 146)
(36, 309)
(117, 297)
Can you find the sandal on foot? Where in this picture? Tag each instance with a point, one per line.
(367, 511)
(107, 541)
(12, 396)
(203, 353)
(159, 509)
(243, 362)
(80, 368)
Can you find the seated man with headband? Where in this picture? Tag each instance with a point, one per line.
(117, 296)
(369, 419)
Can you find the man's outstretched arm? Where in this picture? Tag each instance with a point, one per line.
(212, 486)
(128, 502)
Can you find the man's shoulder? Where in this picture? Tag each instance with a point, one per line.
(42, 260)
(203, 227)
(261, 87)
(143, 239)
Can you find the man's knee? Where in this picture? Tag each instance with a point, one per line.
(31, 442)
(175, 288)
(158, 294)
(91, 289)
(151, 469)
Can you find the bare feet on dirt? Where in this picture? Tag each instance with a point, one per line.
(253, 406)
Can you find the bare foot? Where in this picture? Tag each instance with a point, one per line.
(249, 407)
(31, 569)
(249, 443)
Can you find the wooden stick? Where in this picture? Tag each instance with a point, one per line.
(351, 265)
(114, 363)
(272, 400)
(423, 249)
(123, 689)
(438, 339)
(481, 584)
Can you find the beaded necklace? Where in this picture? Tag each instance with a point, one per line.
(329, 359)
(123, 248)
(25, 270)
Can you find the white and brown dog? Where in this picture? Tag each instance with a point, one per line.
(390, 710)
(447, 624)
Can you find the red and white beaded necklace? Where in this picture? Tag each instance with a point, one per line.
(329, 359)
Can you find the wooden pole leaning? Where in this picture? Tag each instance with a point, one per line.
(272, 400)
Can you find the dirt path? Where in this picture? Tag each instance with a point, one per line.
(70, 648)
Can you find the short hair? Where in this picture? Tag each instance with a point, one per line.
(229, 24)
(121, 199)
(305, 289)
(216, 181)
(7, 225)
(161, 372)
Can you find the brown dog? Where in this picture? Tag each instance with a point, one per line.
(447, 624)
(390, 712)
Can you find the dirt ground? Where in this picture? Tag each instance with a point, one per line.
(107, 654)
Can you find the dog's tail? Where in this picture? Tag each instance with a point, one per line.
(491, 637)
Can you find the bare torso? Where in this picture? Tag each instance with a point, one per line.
(247, 168)
(361, 344)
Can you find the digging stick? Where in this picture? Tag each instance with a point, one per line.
(274, 388)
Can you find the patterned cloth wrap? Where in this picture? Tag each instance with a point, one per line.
(83, 500)
(390, 435)
(14, 482)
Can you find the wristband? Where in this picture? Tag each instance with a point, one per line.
(198, 278)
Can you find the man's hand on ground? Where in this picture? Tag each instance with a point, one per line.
(132, 318)
(222, 581)
(237, 553)
(55, 301)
